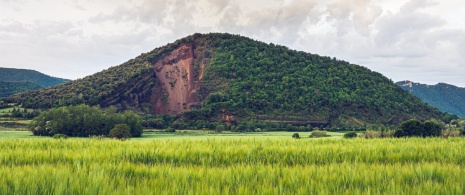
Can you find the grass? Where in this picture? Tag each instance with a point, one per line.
(272, 163)
(8, 134)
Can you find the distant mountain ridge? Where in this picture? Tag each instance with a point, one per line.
(15, 75)
(445, 97)
(11, 88)
(13, 81)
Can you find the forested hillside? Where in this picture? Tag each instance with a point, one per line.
(445, 97)
(224, 77)
(16, 75)
(10, 88)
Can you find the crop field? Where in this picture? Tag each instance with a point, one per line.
(232, 165)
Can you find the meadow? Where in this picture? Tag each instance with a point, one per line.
(231, 165)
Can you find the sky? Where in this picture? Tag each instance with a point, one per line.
(417, 40)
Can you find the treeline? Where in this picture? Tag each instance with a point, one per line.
(83, 121)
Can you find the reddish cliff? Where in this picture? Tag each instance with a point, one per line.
(179, 78)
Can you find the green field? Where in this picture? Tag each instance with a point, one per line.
(264, 163)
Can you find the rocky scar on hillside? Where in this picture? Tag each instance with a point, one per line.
(228, 78)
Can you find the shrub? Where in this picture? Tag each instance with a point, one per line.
(120, 131)
(296, 136)
(60, 136)
(350, 135)
(318, 133)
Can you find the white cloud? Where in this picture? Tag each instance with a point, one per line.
(420, 40)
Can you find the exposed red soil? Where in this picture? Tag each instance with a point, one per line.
(178, 81)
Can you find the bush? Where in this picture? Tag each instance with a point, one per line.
(60, 136)
(120, 131)
(296, 136)
(350, 135)
(318, 133)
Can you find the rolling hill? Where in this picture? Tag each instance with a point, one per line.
(445, 97)
(229, 78)
(22, 75)
(10, 88)
(13, 81)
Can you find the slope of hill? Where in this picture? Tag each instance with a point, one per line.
(16, 75)
(445, 97)
(10, 88)
(224, 77)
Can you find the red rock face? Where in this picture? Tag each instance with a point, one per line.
(179, 81)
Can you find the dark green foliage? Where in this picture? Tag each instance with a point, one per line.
(10, 88)
(350, 135)
(83, 121)
(120, 131)
(3, 105)
(399, 133)
(296, 136)
(445, 97)
(415, 127)
(431, 129)
(412, 127)
(255, 80)
(31, 76)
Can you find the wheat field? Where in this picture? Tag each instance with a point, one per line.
(233, 166)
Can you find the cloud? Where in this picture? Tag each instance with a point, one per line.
(400, 40)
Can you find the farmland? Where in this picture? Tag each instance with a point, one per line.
(231, 164)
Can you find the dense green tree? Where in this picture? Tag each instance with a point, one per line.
(83, 121)
(120, 131)
(431, 129)
(412, 127)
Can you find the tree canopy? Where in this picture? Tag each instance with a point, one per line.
(83, 121)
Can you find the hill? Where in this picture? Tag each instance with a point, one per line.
(10, 88)
(445, 97)
(230, 78)
(21, 75)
